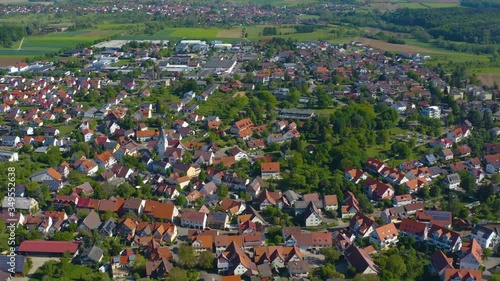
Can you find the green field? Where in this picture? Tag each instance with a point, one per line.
(274, 2)
(53, 42)
(427, 5)
(75, 272)
(489, 70)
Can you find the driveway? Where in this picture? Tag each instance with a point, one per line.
(490, 265)
(37, 263)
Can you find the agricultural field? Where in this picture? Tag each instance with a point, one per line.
(488, 76)
(389, 5)
(41, 45)
(274, 2)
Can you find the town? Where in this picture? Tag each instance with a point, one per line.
(189, 160)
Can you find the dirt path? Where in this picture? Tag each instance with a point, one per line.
(20, 44)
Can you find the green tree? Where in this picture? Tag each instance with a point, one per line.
(206, 260)
(177, 274)
(401, 150)
(331, 254)
(223, 191)
(187, 257)
(181, 200)
(139, 265)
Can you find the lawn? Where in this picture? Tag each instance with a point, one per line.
(64, 130)
(75, 272)
(325, 111)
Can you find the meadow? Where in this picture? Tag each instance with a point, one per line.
(274, 2)
(53, 42)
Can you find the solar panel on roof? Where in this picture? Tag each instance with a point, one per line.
(441, 218)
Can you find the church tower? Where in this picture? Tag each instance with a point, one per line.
(162, 144)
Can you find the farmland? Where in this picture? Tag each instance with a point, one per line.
(53, 42)
(274, 2)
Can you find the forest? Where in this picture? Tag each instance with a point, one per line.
(480, 3)
(471, 25)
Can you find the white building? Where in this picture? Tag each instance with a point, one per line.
(486, 237)
(431, 112)
(8, 156)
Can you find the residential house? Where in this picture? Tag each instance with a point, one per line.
(194, 219)
(460, 133)
(30, 205)
(330, 202)
(46, 174)
(270, 170)
(447, 154)
(441, 218)
(312, 215)
(444, 238)
(451, 274)
(361, 225)
(10, 141)
(105, 160)
(471, 255)
(91, 222)
(355, 175)
(485, 236)
(402, 200)
(91, 255)
(440, 262)
(268, 198)
(360, 260)
(298, 269)
(134, 205)
(202, 243)
(452, 181)
(385, 236)
(350, 206)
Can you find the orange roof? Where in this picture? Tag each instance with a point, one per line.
(271, 167)
(386, 231)
(321, 70)
(227, 161)
(231, 278)
(331, 199)
(104, 157)
(54, 174)
(205, 240)
(144, 134)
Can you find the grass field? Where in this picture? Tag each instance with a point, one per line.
(41, 45)
(274, 2)
(75, 272)
(428, 5)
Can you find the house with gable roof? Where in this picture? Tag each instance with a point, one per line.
(440, 262)
(361, 225)
(444, 238)
(312, 215)
(360, 260)
(451, 274)
(350, 206)
(385, 236)
(471, 256)
(485, 236)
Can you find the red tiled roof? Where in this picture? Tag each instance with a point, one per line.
(41, 246)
